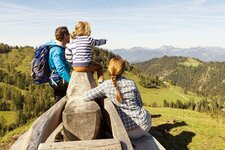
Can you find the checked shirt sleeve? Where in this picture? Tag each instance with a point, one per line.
(139, 100)
(94, 93)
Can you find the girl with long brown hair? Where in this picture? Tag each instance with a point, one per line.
(126, 98)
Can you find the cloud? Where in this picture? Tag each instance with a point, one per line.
(198, 2)
(151, 20)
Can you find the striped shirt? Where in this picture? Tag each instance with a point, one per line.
(130, 109)
(79, 51)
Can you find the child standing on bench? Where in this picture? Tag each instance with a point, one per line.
(79, 50)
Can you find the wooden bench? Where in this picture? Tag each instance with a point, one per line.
(43, 133)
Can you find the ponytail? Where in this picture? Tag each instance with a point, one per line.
(117, 94)
(116, 68)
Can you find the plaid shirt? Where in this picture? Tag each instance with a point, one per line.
(130, 109)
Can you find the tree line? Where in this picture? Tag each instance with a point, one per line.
(205, 105)
(5, 48)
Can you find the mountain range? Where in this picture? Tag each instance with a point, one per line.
(141, 54)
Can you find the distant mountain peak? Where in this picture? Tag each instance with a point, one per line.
(166, 47)
(140, 54)
(198, 48)
(139, 48)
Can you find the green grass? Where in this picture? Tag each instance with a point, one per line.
(191, 62)
(169, 93)
(18, 131)
(185, 129)
(25, 65)
(9, 117)
(23, 92)
(7, 140)
(21, 59)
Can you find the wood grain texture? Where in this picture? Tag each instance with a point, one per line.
(81, 120)
(106, 144)
(117, 127)
(41, 128)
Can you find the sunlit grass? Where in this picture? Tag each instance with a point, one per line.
(9, 117)
(158, 95)
(191, 62)
(187, 128)
(17, 131)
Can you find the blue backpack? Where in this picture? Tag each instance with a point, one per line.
(39, 65)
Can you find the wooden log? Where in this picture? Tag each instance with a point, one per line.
(41, 128)
(81, 120)
(113, 119)
(19, 141)
(107, 144)
(79, 83)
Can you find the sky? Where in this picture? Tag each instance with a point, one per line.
(124, 23)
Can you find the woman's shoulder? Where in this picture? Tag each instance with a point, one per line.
(107, 82)
(128, 82)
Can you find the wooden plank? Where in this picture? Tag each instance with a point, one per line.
(53, 135)
(19, 141)
(118, 129)
(147, 142)
(106, 144)
(41, 128)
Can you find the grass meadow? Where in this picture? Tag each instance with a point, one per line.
(169, 93)
(184, 129)
(8, 117)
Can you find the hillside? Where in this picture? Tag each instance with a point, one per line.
(204, 78)
(169, 92)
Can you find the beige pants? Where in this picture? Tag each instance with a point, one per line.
(140, 130)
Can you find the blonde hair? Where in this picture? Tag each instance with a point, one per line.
(116, 68)
(82, 28)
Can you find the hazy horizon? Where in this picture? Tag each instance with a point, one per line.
(125, 24)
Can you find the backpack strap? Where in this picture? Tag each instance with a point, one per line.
(50, 47)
